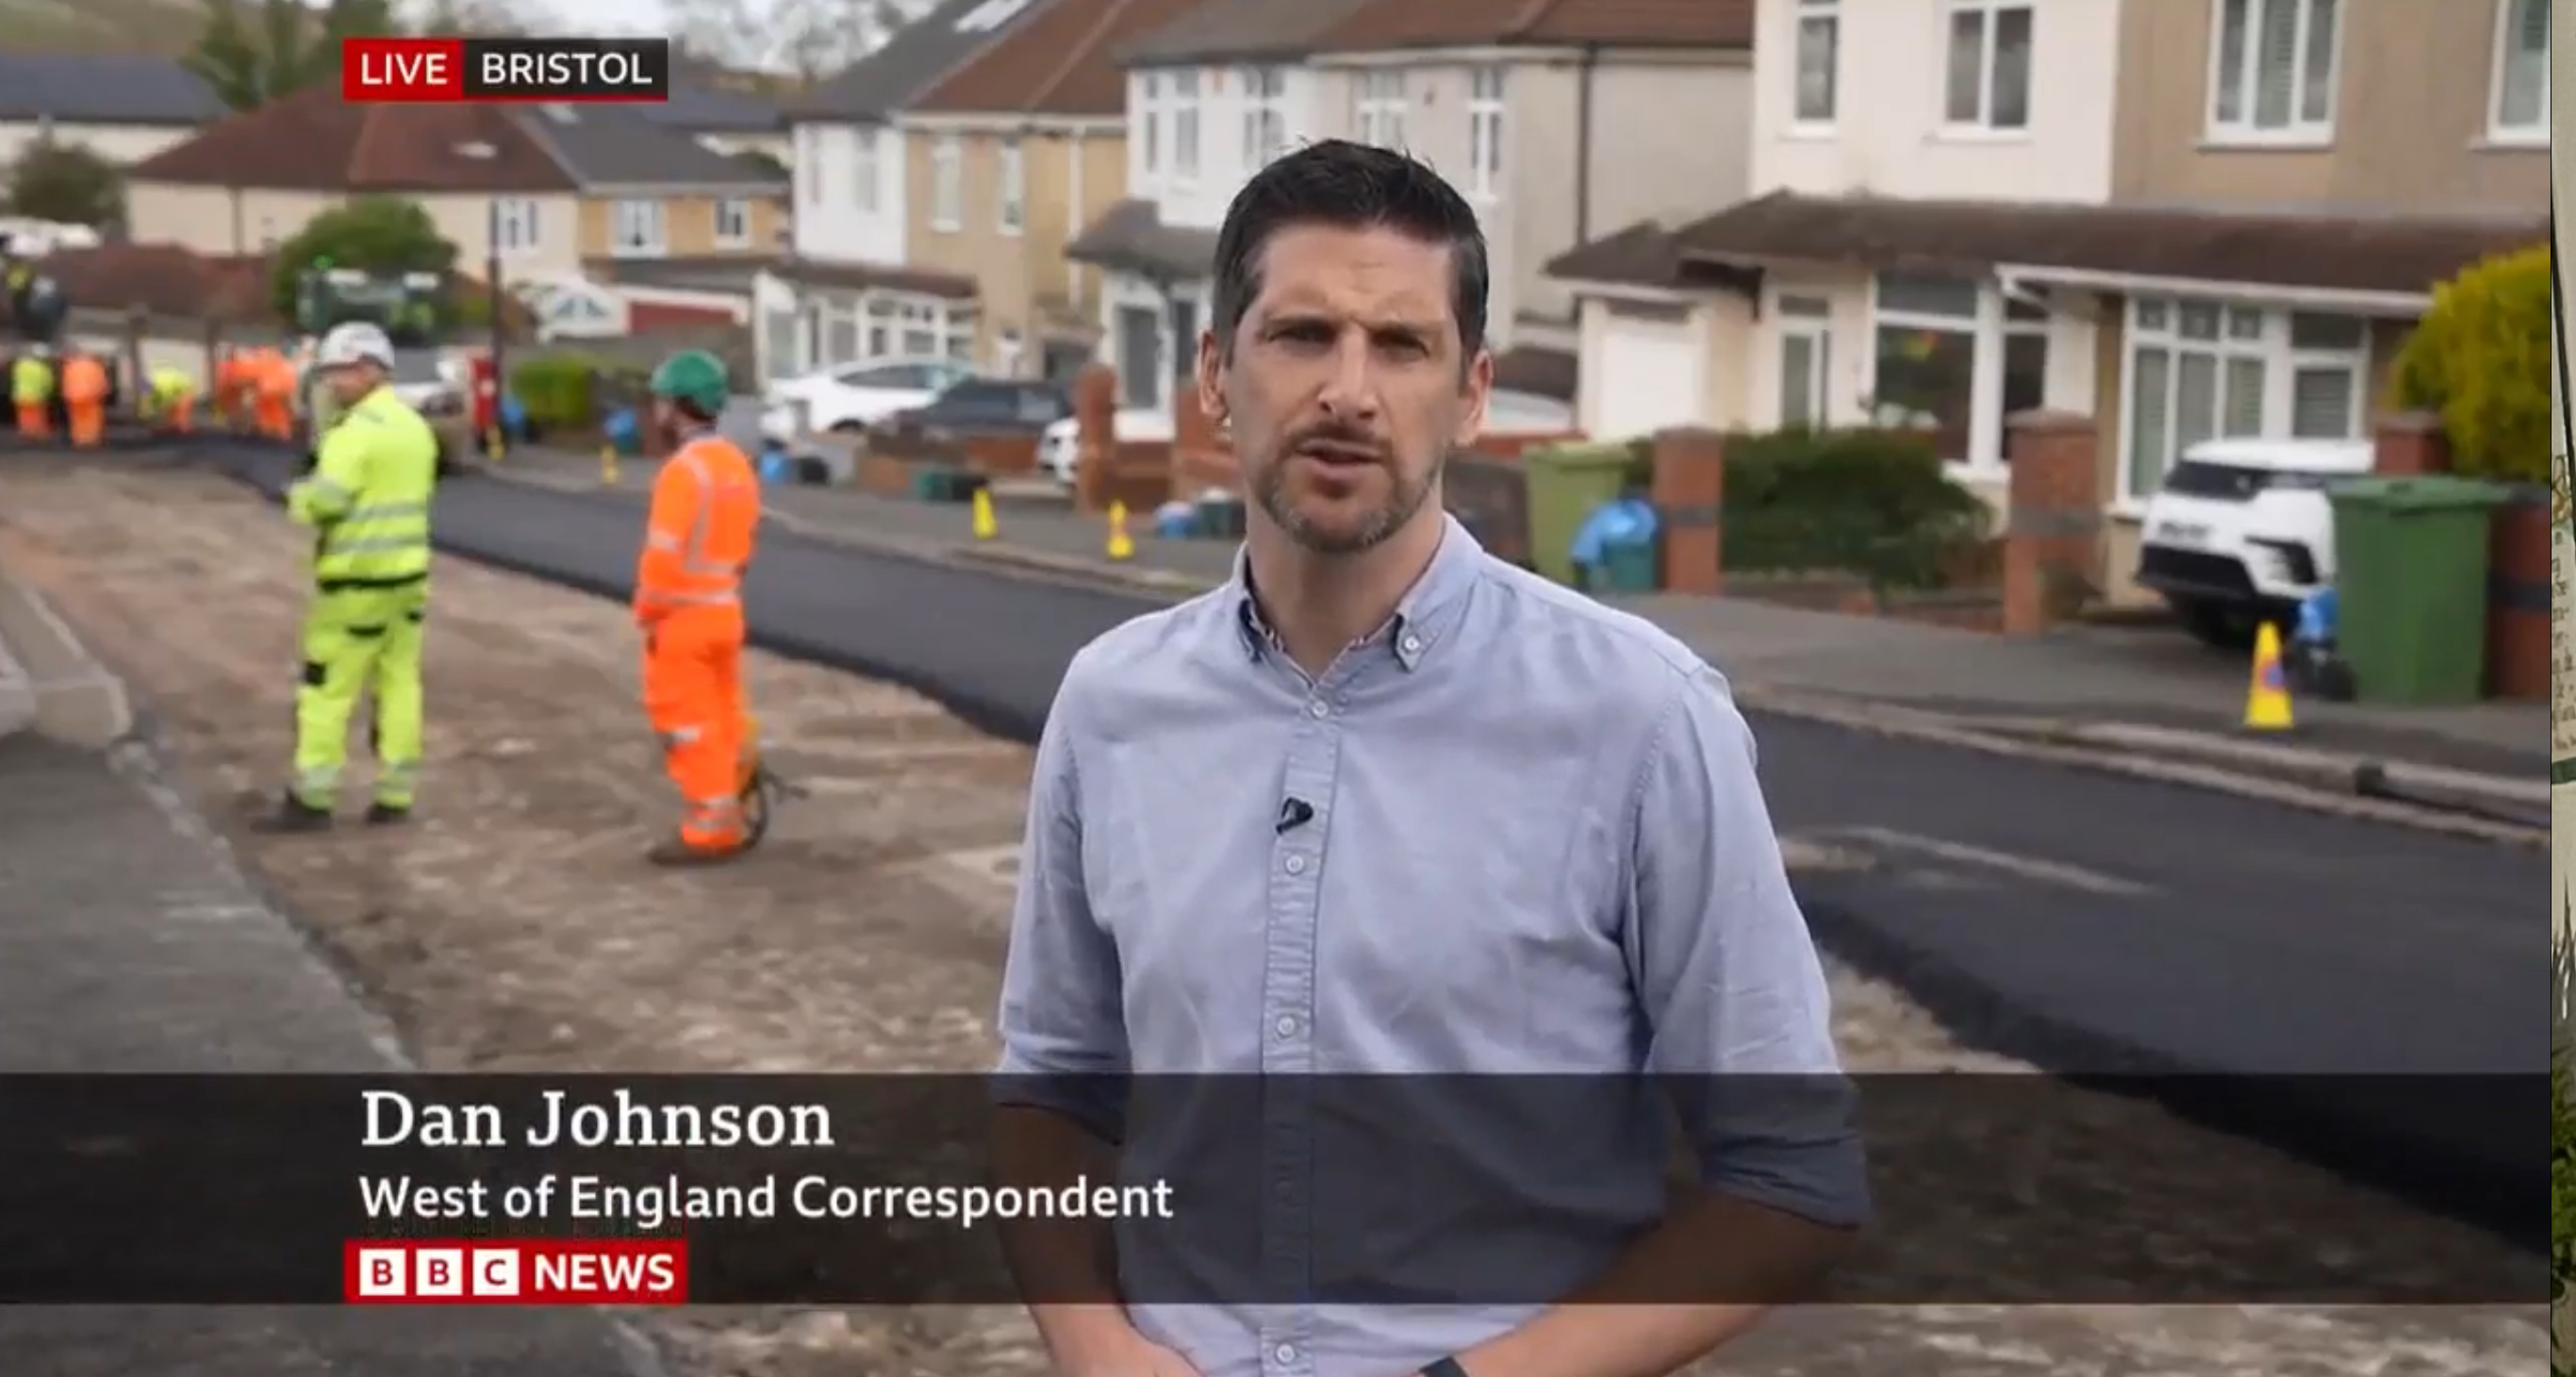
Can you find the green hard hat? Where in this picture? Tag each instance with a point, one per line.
(693, 376)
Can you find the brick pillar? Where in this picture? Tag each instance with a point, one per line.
(2518, 580)
(2409, 443)
(2053, 535)
(1689, 493)
(1202, 456)
(1095, 411)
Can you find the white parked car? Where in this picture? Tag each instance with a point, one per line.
(855, 396)
(1506, 413)
(2242, 531)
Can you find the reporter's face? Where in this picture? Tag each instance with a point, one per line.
(1345, 387)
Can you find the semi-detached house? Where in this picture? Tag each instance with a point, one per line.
(2184, 218)
(1555, 118)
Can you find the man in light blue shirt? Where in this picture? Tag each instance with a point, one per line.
(1386, 807)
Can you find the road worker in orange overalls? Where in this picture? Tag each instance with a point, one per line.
(275, 380)
(227, 393)
(31, 392)
(698, 542)
(85, 398)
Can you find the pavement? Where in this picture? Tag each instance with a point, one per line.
(511, 929)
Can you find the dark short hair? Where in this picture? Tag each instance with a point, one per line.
(1351, 186)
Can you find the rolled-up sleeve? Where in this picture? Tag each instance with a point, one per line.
(1062, 1024)
(1741, 1020)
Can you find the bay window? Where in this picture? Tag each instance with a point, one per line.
(2201, 370)
(1926, 357)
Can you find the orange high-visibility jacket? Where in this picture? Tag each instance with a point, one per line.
(84, 380)
(700, 536)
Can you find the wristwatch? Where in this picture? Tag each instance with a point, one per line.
(1444, 1367)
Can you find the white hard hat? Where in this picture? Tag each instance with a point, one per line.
(356, 340)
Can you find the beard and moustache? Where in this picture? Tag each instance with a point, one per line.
(1405, 495)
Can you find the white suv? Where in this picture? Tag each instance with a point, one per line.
(2242, 531)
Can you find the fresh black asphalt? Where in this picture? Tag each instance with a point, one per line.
(2327, 955)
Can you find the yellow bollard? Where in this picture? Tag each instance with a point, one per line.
(608, 466)
(985, 528)
(492, 444)
(1121, 547)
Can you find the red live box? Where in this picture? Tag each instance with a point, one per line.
(545, 1271)
(505, 69)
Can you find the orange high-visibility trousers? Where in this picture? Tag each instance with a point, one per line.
(693, 695)
(32, 422)
(181, 416)
(88, 423)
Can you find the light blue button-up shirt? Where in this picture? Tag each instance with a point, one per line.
(1526, 839)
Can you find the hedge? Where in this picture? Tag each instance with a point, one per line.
(1867, 502)
(2480, 358)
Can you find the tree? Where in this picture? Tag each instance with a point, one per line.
(288, 48)
(66, 182)
(484, 19)
(2480, 357)
(371, 234)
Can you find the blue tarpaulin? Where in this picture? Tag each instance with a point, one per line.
(1624, 522)
(2317, 617)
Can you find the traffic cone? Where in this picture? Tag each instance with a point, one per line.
(1121, 547)
(2267, 698)
(984, 526)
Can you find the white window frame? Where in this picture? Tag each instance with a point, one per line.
(1149, 106)
(1185, 127)
(1985, 361)
(517, 228)
(864, 170)
(947, 183)
(1379, 105)
(2301, 128)
(636, 230)
(1265, 120)
(1485, 94)
(2534, 133)
(2256, 333)
(809, 164)
(1807, 316)
(1989, 15)
(1011, 214)
(1819, 23)
(733, 223)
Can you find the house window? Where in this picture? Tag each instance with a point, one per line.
(2200, 370)
(1485, 133)
(1185, 125)
(880, 325)
(1140, 356)
(840, 333)
(1152, 108)
(2272, 69)
(947, 169)
(1265, 126)
(2521, 113)
(863, 172)
(1819, 54)
(1014, 188)
(635, 228)
(2025, 381)
(514, 226)
(1380, 108)
(1926, 354)
(920, 325)
(1806, 360)
(1989, 81)
(733, 224)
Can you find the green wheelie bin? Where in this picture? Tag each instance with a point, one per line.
(2411, 579)
(1566, 483)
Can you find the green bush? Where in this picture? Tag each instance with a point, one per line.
(2480, 358)
(1867, 502)
(556, 390)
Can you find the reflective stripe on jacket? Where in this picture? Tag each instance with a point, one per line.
(370, 493)
(699, 539)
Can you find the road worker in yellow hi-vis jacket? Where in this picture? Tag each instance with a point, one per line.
(368, 497)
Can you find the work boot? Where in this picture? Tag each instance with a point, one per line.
(677, 852)
(294, 815)
(388, 814)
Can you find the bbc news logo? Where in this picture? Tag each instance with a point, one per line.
(376, 70)
(589, 1271)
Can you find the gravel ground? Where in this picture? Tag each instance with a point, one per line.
(513, 929)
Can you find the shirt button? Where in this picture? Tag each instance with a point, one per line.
(1296, 865)
(1412, 645)
(1287, 1025)
(1319, 708)
(1286, 1353)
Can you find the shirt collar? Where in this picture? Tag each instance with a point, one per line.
(1427, 614)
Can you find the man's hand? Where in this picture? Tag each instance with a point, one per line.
(1119, 1351)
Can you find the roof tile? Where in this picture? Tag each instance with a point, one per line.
(311, 141)
(1060, 60)
(1396, 24)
